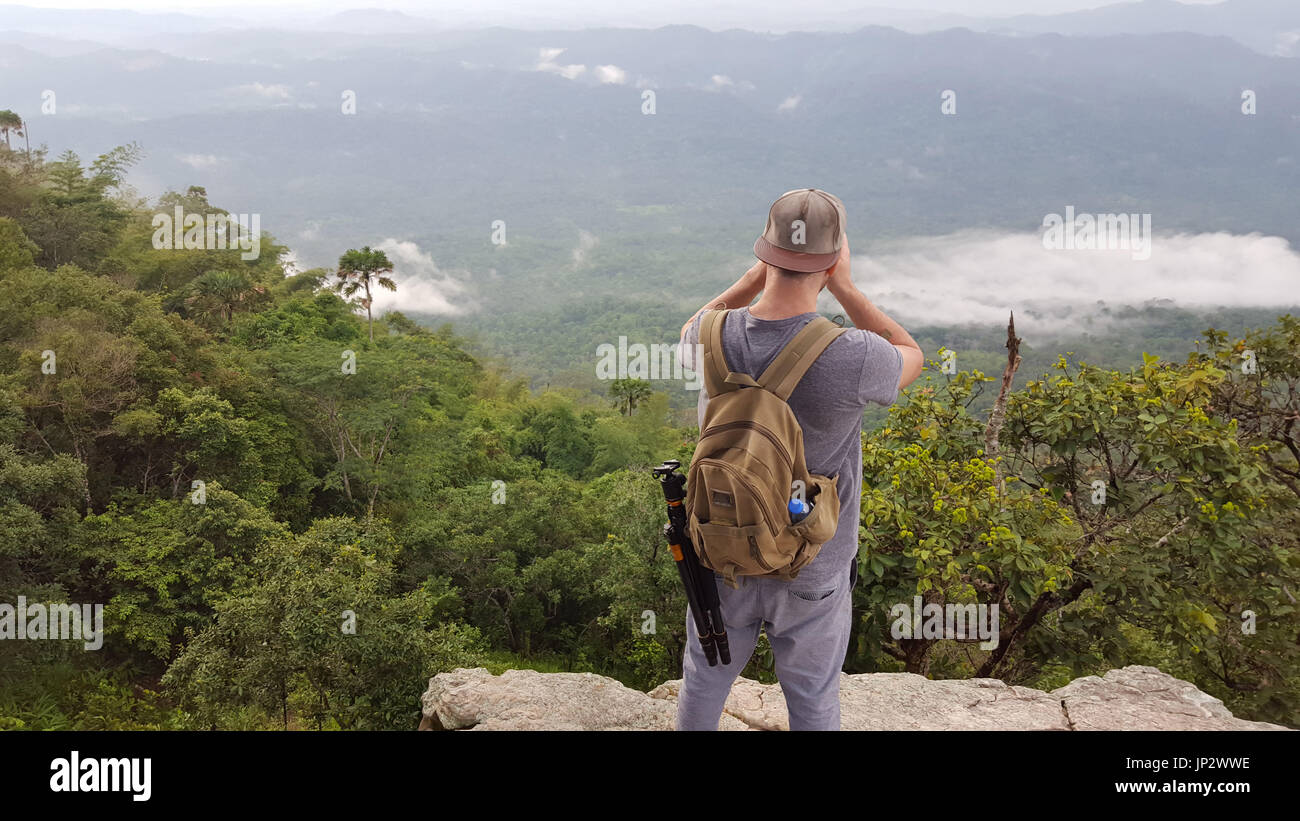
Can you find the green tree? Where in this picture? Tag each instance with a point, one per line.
(223, 291)
(1126, 506)
(628, 393)
(358, 269)
(165, 566)
(75, 220)
(552, 432)
(646, 613)
(16, 250)
(9, 121)
(322, 636)
(518, 558)
(39, 520)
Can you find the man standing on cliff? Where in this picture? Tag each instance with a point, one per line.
(803, 250)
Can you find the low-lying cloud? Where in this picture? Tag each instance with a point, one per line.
(612, 75)
(975, 277)
(586, 242)
(546, 62)
(422, 288)
(274, 91)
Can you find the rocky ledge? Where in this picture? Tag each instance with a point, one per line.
(1131, 698)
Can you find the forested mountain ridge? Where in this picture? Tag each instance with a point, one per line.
(478, 126)
(292, 525)
(219, 454)
(424, 140)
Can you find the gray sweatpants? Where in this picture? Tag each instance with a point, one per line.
(808, 624)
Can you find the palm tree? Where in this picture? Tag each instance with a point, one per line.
(628, 393)
(9, 121)
(224, 290)
(357, 269)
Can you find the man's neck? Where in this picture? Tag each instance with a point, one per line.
(783, 301)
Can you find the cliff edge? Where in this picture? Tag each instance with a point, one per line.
(1130, 698)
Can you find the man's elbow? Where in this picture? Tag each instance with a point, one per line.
(913, 362)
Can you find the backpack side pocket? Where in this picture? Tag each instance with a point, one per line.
(819, 526)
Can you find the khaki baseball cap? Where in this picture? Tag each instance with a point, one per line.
(803, 231)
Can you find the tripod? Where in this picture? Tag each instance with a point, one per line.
(701, 587)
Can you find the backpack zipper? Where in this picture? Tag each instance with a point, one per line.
(762, 500)
(758, 556)
(749, 426)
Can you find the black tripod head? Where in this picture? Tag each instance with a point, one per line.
(666, 468)
(674, 483)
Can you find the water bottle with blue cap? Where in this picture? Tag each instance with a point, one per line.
(799, 509)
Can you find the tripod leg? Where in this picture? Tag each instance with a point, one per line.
(698, 610)
(705, 584)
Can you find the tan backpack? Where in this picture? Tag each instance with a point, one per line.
(749, 461)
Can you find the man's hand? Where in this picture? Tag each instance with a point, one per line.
(840, 283)
(870, 318)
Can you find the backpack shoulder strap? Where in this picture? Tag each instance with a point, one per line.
(797, 356)
(718, 376)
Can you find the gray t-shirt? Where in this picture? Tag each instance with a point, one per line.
(857, 368)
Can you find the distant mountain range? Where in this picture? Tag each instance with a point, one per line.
(1268, 26)
(548, 132)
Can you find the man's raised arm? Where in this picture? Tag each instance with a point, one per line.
(867, 316)
(738, 295)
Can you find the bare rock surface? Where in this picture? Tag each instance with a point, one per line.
(529, 700)
(1131, 698)
(1143, 698)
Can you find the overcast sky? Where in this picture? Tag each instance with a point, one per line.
(575, 10)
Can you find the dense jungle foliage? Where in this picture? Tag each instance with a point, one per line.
(294, 515)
